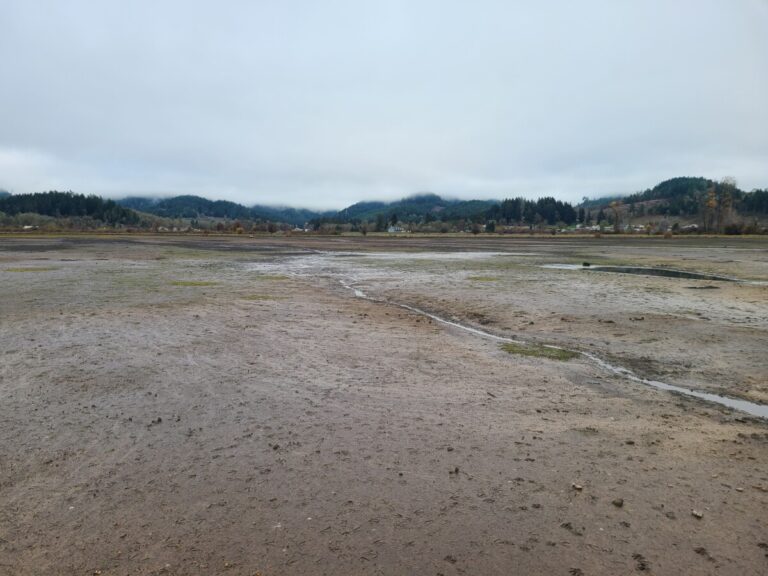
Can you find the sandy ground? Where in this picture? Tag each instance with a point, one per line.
(225, 405)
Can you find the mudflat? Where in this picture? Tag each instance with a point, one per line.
(347, 405)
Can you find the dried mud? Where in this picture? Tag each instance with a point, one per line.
(225, 405)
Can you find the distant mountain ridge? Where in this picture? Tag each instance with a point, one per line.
(187, 206)
(416, 207)
(680, 196)
(408, 209)
(196, 207)
(711, 205)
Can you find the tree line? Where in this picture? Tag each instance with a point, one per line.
(69, 205)
(716, 206)
(545, 210)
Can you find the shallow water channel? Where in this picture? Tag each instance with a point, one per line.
(317, 262)
(751, 408)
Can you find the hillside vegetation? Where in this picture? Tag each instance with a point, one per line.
(197, 208)
(714, 206)
(683, 203)
(416, 208)
(78, 209)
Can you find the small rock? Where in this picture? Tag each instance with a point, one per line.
(697, 514)
(577, 487)
(618, 502)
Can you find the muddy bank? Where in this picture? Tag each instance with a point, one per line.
(745, 407)
(657, 327)
(168, 410)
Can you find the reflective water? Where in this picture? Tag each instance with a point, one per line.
(751, 408)
(323, 263)
(643, 271)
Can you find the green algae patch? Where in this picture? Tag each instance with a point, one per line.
(539, 351)
(30, 269)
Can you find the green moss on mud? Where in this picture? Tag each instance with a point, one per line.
(539, 351)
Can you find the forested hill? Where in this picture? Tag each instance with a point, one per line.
(295, 216)
(410, 209)
(197, 207)
(689, 196)
(675, 188)
(708, 203)
(68, 205)
(187, 206)
(416, 208)
(4, 193)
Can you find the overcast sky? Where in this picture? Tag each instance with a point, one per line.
(324, 103)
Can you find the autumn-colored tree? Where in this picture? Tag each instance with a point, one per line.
(710, 209)
(616, 216)
(725, 204)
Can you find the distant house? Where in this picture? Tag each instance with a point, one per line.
(395, 229)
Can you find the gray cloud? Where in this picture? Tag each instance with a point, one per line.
(325, 103)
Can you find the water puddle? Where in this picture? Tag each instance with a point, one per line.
(426, 255)
(564, 266)
(751, 408)
(665, 272)
(319, 263)
(643, 271)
